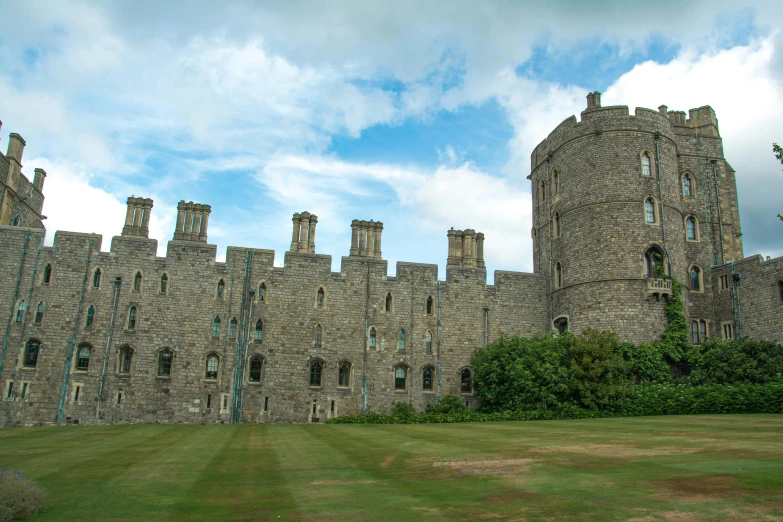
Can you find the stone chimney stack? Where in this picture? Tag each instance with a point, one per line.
(15, 150)
(366, 238)
(137, 217)
(192, 221)
(38, 180)
(466, 248)
(594, 100)
(303, 237)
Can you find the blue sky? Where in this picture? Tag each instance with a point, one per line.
(418, 114)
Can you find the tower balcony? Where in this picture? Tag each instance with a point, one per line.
(658, 288)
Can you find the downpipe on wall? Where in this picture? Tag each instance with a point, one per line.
(115, 302)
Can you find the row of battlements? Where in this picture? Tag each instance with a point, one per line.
(700, 121)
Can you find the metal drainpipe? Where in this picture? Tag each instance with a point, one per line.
(720, 216)
(486, 325)
(660, 203)
(13, 301)
(437, 393)
(236, 413)
(366, 335)
(410, 376)
(251, 295)
(24, 327)
(736, 304)
(549, 235)
(702, 180)
(117, 283)
(225, 342)
(72, 341)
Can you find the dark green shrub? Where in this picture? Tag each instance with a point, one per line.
(403, 409)
(648, 363)
(598, 374)
(746, 360)
(19, 497)
(448, 404)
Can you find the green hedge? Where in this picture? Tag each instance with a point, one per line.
(682, 399)
(646, 399)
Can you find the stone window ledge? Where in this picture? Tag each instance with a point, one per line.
(316, 387)
(27, 368)
(209, 381)
(250, 383)
(123, 375)
(163, 377)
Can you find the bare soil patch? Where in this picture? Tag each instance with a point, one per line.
(616, 451)
(699, 488)
(474, 467)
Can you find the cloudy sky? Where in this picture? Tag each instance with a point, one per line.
(418, 114)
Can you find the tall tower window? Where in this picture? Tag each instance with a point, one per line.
(216, 327)
(690, 229)
(137, 282)
(96, 278)
(695, 277)
(47, 274)
(90, 316)
(556, 225)
(646, 170)
(401, 340)
(649, 210)
(558, 275)
(259, 335)
(687, 186)
(373, 338)
(164, 283)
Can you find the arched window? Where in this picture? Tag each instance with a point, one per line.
(401, 340)
(164, 283)
(47, 274)
(39, 313)
(212, 366)
(695, 276)
(687, 186)
(428, 342)
(466, 381)
(556, 225)
(695, 332)
(541, 191)
(221, 289)
(262, 293)
(646, 170)
(319, 301)
(558, 275)
(653, 263)
(96, 278)
(388, 302)
(83, 357)
(344, 375)
(20, 311)
(31, 353)
(426, 379)
(90, 316)
(690, 228)
(17, 221)
(165, 358)
(429, 305)
(400, 378)
(255, 369)
(649, 210)
(216, 326)
(137, 282)
(555, 183)
(126, 357)
(561, 324)
(232, 328)
(315, 373)
(259, 335)
(317, 334)
(373, 338)
(132, 318)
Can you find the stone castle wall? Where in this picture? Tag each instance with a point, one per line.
(590, 223)
(181, 319)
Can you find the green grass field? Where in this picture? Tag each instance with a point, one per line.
(654, 468)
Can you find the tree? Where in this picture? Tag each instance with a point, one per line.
(778, 150)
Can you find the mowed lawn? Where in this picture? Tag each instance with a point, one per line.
(727, 467)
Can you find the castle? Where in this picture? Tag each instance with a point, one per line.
(96, 336)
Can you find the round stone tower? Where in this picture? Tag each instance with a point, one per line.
(608, 216)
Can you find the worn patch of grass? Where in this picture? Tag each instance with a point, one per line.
(681, 468)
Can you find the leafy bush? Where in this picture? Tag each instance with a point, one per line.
(448, 404)
(598, 374)
(683, 399)
(403, 409)
(19, 497)
(746, 360)
(648, 363)
(516, 373)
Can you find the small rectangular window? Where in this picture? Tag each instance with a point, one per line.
(76, 393)
(728, 331)
(24, 390)
(225, 402)
(119, 398)
(331, 408)
(209, 401)
(10, 389)
(266, 403)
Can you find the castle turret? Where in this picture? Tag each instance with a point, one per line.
(616, 209)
